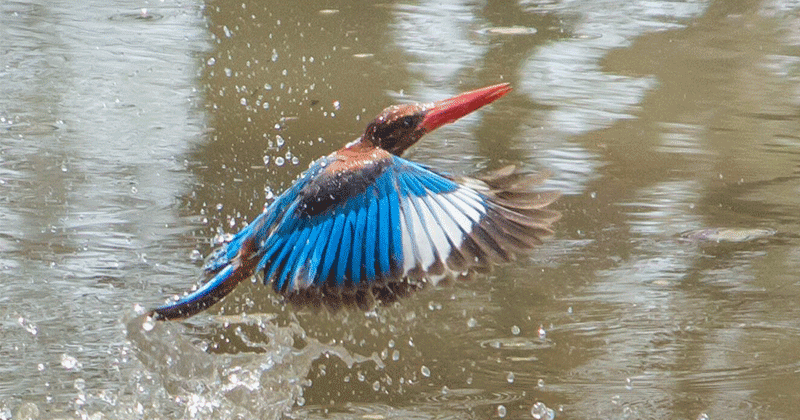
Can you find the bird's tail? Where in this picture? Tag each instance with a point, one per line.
(228, 272)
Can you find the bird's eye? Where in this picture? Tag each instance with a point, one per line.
(407, 122)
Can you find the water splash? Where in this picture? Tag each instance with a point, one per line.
(265, 382)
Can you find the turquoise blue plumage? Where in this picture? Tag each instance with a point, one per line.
(363, 225)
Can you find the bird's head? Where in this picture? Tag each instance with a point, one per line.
(399, 126)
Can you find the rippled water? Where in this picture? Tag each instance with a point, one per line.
(134, 135)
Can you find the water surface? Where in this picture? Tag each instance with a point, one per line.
(134, 135)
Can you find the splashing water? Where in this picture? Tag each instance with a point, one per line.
(265, 383)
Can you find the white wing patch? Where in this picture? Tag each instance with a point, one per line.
(423, 243)
(437, 236)
(409, 256)
(446, 217)
(466, 204)
(434, 225)
(459, 217)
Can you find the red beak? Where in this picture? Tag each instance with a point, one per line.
(448, 110)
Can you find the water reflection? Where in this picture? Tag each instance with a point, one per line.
(92, 125)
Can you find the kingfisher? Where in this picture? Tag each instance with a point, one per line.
(364, 226)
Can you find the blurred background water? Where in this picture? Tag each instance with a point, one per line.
(133, 135)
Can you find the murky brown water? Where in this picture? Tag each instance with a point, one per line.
(130, 138)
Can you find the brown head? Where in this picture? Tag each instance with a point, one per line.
(399, 126)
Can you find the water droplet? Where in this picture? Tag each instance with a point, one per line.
(396, 355)
(243, 101)
(31, 328)
(541, 332)
(540, 411)
(279, 140)
(376, 386)
(148, 324)
(501, 411)
(279, 161)
(295, 160)
(628, 384)
(274, 55)
(219, 206)
(472, 323)
(515, 330)
(211, 61)
(228, 72)
(266, 160)
(703, 416)
(79, 384)
(425, 371)
(510, 377)
(540, 383)
(337, 105)
(195, 255)
(68, 362)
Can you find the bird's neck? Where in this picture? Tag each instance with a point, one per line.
(358, 145)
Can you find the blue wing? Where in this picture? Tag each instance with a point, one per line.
(377, 231)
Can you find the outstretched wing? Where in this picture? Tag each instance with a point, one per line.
(378, 231)
(351, 231)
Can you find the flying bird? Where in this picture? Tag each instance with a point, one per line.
(363, 225)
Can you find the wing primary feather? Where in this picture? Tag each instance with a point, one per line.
(370, 243)
(482, 239)
(407, 232)
(384, 229)
(347, 247)
(316, 260)
(439, 241)
(358, 240)
(290, 265)
(267, 258)
(396, 251)
(333, 246)
(467, 246)
(450, 230)
(277, 264)
(421, 241)
(300, 276)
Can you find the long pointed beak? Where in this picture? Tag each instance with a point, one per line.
(448, 110)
